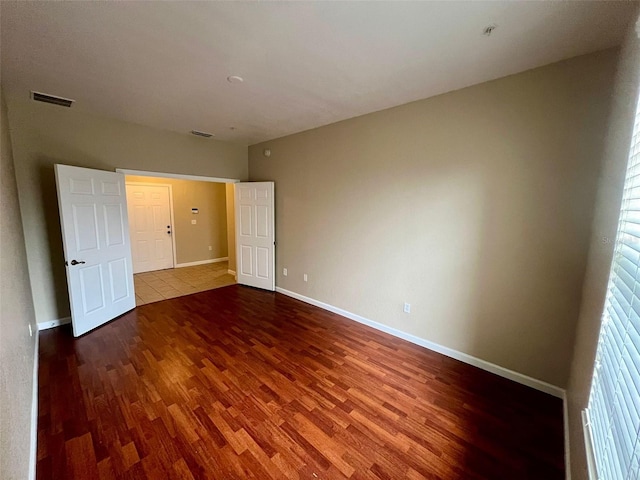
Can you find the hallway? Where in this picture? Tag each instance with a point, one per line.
(176, 282)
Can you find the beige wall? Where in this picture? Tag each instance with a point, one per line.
(231, 226)
(607, 209)
(44, 134)
(17, 348)
(193, 241)
(473, 206)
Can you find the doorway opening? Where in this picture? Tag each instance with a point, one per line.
(182, 232)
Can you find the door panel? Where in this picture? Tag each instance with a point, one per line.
(85, 224)
(118, 278)
(262, 263)
(143, 250)
(262, 221)
(246, 260)
(255, 234)
(81, 186)
(113, 216)
(96, 245)
(92, 288)
(150, 227)
(245, 219)
(111, 188)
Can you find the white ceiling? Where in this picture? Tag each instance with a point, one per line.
(305, 64)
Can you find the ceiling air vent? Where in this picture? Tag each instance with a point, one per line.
(201, 134)
(43, 97)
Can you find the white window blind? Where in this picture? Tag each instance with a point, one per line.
(613, 414)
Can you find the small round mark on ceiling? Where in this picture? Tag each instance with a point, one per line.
(235, 79)
(488, 30)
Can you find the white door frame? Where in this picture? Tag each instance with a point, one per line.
(177, 176)
(173, 223)
(181, 176)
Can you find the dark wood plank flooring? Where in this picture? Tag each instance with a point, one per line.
(240, 383)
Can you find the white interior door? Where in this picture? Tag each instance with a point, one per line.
(97, 250)
(150, 226)
(255, 234)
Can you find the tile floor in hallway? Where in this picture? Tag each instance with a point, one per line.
(176, 282)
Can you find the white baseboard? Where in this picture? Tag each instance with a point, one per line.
(201, 262)
(53, 323)
(33, 454)
(567, 449)
(449, 352)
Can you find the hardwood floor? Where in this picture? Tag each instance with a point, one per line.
(240, 383)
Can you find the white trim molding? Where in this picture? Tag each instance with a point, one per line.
(179, 176)
(53, 323)
(202, 262)
(33, 454)
(449, 352)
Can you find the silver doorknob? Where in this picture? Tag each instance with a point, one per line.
(75, 262)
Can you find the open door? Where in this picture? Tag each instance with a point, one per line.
(97, 247)
(255, 234)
